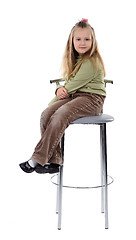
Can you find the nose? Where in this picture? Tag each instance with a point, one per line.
(83, 42)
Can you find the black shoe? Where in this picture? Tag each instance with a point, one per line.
(47, 168)
(26, 167)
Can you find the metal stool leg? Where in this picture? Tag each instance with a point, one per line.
(105, 176)
(60, 197)
(102, 169)
(60, 186)
(57, 199)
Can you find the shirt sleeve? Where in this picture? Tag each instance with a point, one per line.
(84, 75)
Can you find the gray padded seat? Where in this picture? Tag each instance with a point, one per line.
(102, 118)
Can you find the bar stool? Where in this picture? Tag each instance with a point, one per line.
(101, 121)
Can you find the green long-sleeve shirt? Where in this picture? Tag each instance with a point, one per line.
(87, 79)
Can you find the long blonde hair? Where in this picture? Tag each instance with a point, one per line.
(70, 54)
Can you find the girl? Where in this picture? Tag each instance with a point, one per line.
(82, 95)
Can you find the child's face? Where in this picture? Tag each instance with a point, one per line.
(82, 40)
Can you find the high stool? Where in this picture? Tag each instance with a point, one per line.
(100, 120)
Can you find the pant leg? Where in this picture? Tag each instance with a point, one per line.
(45, 117)
(48, 112)
(79, 105)
(57, 156)
(44, 121)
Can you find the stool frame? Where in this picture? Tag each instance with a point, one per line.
(103, 156)
(104, 178)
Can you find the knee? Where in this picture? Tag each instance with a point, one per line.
(42, 116)
(45, 116)
(59, 118)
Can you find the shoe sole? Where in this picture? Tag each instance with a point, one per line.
(42, 171)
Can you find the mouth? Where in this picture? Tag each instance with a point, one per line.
(82, 47)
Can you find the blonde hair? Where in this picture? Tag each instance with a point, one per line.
(70, 54)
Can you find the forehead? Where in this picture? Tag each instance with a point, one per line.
(81, 32)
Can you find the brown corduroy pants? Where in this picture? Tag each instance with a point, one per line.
(57, 117)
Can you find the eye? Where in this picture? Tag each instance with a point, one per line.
(78, 39)
(87, 39)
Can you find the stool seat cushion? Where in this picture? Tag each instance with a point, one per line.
(102, 118)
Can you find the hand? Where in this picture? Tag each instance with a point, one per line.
(62, 93)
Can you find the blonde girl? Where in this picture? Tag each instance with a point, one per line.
(83, 94)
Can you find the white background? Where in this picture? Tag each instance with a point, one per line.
(33, 36)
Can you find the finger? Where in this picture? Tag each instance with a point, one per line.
(64, 91)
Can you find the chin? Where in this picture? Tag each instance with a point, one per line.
(83, 52)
